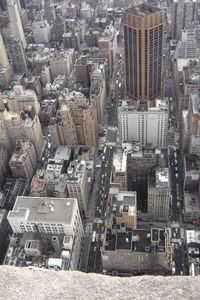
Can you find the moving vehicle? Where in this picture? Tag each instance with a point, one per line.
(94, 236)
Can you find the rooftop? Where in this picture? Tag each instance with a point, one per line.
(40, 209)
(120, 161)
(191, 202)
(22, 150)
(193, 236)
(138, 240)
(125, 107)
(143, 10)
(63, 152)
(162, 178)
(75, 171)
(38, 181)
(123, 202)
(195, 100)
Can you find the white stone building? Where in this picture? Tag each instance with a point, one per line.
(147, 126)
(41, 31)
(50, 216)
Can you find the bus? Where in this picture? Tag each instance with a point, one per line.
(104, 151)
(93, 236)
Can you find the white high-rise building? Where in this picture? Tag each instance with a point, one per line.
(16, 23)
(146, 125)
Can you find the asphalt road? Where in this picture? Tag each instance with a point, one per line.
(94, 263)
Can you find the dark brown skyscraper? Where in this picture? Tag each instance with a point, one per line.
(143, 44)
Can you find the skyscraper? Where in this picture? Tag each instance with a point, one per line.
(3, 55)
(16, 23)
(143, 43)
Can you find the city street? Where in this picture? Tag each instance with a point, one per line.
(94, 253)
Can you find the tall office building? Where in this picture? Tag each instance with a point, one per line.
(16, 23)
(143, 43)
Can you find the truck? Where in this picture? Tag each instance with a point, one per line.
(93, 236)
(98, 166)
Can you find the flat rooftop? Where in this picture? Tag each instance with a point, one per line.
(143, 10)
(139, 240)
(40, 209)
(63, 152)
(191, 202)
